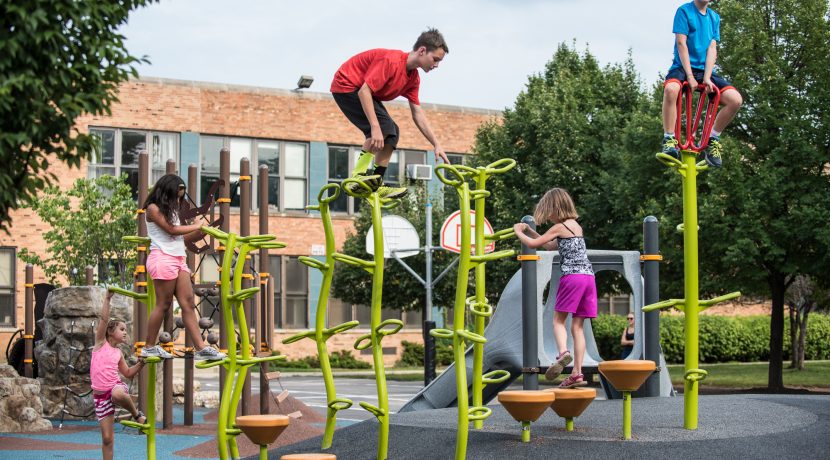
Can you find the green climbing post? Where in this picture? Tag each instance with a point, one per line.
(378, 328)
(691, 305)
(460, 175)
(692, 291)
(626, 414)
(149, 300)
(236, 365)
(320, 334)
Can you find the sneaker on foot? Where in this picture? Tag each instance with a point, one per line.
(558, 366)
(393, 193)
(573, 381)
(670, 147)
(374, 181)
(209, 354)
(155, 350)
(712, 153)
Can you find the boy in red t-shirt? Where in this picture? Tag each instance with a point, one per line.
(367, 79)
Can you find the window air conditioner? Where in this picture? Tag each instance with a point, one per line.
(419, 172)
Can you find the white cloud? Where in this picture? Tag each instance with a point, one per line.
(494, 45)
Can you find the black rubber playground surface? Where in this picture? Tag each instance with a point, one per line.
(730, 426)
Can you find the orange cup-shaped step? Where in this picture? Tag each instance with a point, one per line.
(262, 429)
(309, 457)
(571, 402)
(526, 406)
(627, 375)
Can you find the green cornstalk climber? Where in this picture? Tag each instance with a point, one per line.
(149, 300)
(378, 329)
(320, 334)
(460, 335)
(233, 296)
(478, 304)
(691, 305)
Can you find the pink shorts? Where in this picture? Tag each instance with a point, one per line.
(103, 401)
(163, 266)
(577, 294)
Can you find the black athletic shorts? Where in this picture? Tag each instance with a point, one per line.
(349, 103)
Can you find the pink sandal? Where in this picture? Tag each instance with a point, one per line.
(558, 366)
(573, 381)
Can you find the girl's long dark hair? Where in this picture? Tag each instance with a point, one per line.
(165, 195)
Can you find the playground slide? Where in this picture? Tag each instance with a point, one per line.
(503, 349)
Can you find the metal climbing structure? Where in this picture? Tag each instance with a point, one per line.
(460, 178)
(320, 334)
(691, 305)
(239, 359)
(148, 298)
(378, 329)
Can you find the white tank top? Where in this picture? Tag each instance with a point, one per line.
(163, 241)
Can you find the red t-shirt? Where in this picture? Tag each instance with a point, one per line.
(383, 70)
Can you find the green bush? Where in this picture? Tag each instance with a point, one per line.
(413, 354)
(722, 338)
(342, 359)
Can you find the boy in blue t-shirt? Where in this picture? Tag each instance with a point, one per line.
(697, 33)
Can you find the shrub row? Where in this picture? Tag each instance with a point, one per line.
(722, 338)
(342, 359)
(413, 354)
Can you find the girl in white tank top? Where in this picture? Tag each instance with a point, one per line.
(167, 261)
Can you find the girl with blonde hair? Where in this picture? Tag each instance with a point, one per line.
(577, 293)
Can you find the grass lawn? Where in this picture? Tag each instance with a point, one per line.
(753, 375)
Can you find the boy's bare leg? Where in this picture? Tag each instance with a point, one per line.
(382, 158)
(670, 93)
(731, 100)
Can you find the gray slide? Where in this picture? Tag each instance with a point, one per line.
(503, 349)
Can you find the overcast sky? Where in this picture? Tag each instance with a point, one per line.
(494, 44)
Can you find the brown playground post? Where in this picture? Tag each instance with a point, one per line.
(192, 184)
(29, 322)
(264, 323)
(245, 230)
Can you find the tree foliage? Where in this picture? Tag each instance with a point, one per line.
(578, 125)
(772, 196)
(59, 59)
(764, 217)
(87, 225)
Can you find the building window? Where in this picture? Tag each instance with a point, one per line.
(290, 292)
(7, 282)
(117, 152)
(341, 162)
(287, 170)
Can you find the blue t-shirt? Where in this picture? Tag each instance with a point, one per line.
(700, 30)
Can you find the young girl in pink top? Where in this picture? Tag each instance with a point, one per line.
(107, 388)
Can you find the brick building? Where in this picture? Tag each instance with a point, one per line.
(303, 138)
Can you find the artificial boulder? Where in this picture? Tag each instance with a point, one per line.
(69, 321)
(20, 405)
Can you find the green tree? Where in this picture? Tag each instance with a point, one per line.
(59, 59)
(769, 205)
(567, 130)
(87, 224)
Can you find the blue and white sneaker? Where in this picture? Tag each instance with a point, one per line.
(670, 147)
(157, 351)
(712, 152)
(209, 354)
